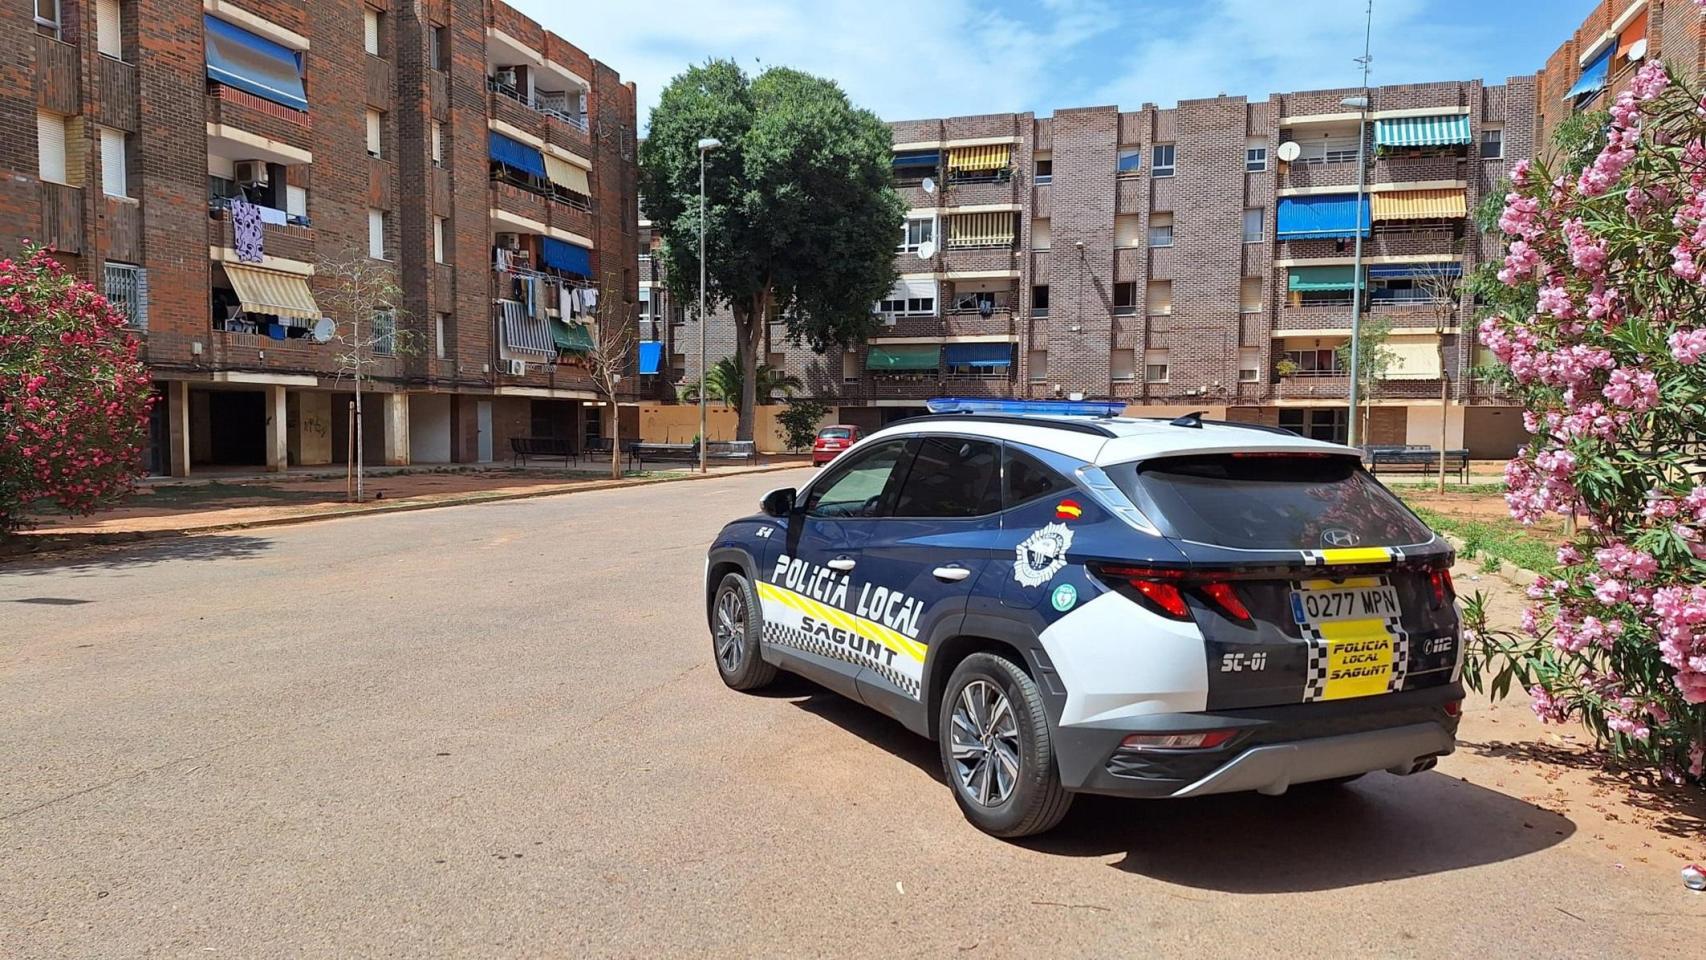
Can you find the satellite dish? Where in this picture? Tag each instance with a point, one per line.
(1289, 151)
(323, 330)
(929, 185)
(1638, 49)
(926, 250)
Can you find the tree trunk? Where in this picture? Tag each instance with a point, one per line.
(1444, 415)
(615, 438)
(749, 336)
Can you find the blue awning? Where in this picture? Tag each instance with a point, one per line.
(567, 257)
(918, 158)
(1437, 131)
(252, 63)
(1325, 217)
(1409, 271)
(978, 355)
(522, 157)
(1593, 75)
(651, 356)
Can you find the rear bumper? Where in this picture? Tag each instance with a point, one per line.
(1273, 749)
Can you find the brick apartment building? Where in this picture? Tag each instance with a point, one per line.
(1601, 56)
(429, 136)
(1173, 259)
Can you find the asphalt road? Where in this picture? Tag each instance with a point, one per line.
(496, 731)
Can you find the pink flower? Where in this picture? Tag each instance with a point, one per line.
(1687, 346)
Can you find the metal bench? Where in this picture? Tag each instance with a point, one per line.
(1420, 459)
(549, 448)
(732, 450)
(689, 452)
(599, 449)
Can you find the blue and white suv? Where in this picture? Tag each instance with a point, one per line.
(1074, 603)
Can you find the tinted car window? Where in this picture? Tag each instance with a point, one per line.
(951, 477)
(856, 488)
(834, 433)
(1027, 479)
(1272, 502)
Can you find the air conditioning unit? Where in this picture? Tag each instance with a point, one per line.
(251, 173)
(505, 77)
(518, 368)
(509, 241)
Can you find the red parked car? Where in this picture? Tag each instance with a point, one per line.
(831, 440)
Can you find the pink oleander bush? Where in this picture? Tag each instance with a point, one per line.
(74, 398)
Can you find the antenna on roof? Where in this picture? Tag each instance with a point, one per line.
(1192, 420)
(1367, 57)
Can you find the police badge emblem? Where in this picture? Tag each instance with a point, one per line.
(1041, 555)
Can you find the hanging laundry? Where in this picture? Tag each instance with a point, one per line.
(590, 297)
(246, 230)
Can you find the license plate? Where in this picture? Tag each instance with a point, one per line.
(1314, 606)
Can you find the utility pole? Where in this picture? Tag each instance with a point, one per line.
(705, 146)
(1351, 432)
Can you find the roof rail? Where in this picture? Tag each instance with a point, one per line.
(1195, 420)
(1088, 426)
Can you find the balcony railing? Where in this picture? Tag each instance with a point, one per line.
(537, 104)
(981, 306)
(546, 189)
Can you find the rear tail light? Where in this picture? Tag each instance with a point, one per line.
(1163, 595)
(1163, 591)
(1206, 740)
(1454, 708)
(1443, 590)
(1226, 598)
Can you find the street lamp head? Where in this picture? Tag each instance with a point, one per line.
(709, 143)
(1355, 103)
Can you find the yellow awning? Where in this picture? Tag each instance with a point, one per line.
(996, 156)
(980, 229)
(1414, 358)
(566, 175)
(1420, 205)
(268, 291)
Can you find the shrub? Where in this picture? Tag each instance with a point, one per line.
(799, 422)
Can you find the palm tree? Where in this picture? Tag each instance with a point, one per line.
(723, 382)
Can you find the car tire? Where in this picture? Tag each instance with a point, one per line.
(737, 626)
(1033, 800)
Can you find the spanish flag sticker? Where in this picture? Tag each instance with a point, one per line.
(1068, 510)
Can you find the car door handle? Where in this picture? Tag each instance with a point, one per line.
(952, 574)
(843, 564)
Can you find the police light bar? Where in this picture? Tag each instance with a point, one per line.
(1058, 408)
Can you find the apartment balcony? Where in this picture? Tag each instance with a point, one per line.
(927, 385)
(1330, 313)
(552, 210)
(558, 127)
(1317, 173)
(1131, 194)
(57, 84)
(1129, 263)
(979, 259)
(115, 94)
(1380, 243)
(381, 81)
(292, 241)
(1383, 168)
(123, 230)
(912, 195)
(1042, 200)
(245, 111)
(968, 193)
(62, 217)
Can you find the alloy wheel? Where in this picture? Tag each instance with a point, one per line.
(985, 742)
(731, 630)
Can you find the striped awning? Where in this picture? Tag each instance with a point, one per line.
(271, 292)
(981, 229)
(1438, 131)
(1314, 279)
(996, 156)
(525, 334)
(917, 158)
(567, 175)
(1420, 205)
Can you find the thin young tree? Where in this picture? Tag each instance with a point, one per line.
(1443, 288)
(614, 331)
(364, 294)
(1376, 359)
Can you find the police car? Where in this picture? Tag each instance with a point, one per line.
(1069, 601)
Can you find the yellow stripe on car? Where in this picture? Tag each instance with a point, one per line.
(836, 617)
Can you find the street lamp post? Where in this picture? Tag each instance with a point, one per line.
(1361, 103)
(706, 145)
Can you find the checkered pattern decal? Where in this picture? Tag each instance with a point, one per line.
(1351, 555)
(783, 636)
(796, 621)
(1320, 660)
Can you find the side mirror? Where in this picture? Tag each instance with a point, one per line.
(778, 502)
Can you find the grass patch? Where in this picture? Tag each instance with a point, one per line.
(1497, 541)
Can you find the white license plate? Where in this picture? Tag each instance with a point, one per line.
(1344, 603)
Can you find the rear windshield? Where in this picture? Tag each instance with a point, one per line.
(834, 433)
(1271, 502)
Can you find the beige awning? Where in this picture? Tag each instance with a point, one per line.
(566, 175)
(268, 291)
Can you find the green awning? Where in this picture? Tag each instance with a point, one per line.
(574, 337)
(1438, 131)
(911, 356)
(1322, 278)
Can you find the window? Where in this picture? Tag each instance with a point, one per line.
(47, 18)
(1250, 295)
(1492, 143)
(855, 487)
(109, 29)
(1155, 366)
(1129, 162)
(370, 25)
(1027, 479)
(1036, 363)
(439, 48)
(1160, 229)
(1042, 233)
(916, 233)
(1324, 424)
(1125, 298)
(439, 324)
(114, 182)
(1039, 300)
(376, 233)
(951, 477)
(1045, 171)
(126, 289)
(375, 133)
(1255, 224)
(296, 203)
(849, 367)
(1124, 363)
(907, 307)
(1128, 229)
(384, 332)
(437, 142)
(438, 239)
(1160, 298)
(1164, 157)
(1255, 158)
(1318, 362)
(50, 144)
(1249, 364)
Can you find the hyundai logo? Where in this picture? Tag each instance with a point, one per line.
(1339, 537)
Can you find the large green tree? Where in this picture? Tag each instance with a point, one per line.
(801, 212)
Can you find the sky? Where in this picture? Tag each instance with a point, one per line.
(917, 59)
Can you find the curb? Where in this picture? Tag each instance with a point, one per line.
(374, 508)
(1514, 575)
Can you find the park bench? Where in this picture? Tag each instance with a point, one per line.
(1421, 459)
(599, 449)
(548, 448)
(689, 452)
